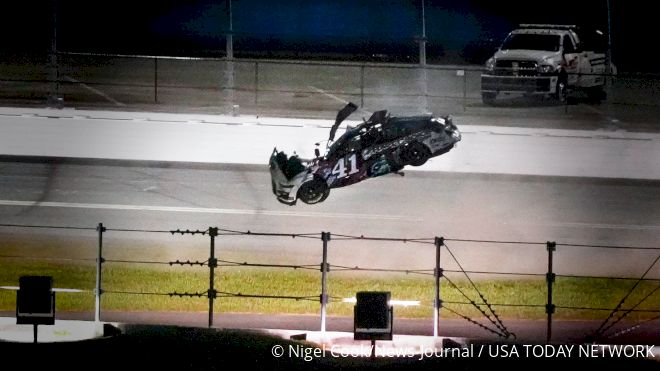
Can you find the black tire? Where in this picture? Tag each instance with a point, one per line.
(561, 91)
(325, 195)
(488, 97)
(416, 154)
(313, 191)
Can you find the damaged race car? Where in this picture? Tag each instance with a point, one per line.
(381, 145)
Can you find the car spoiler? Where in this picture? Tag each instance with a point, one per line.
(378, 117)
(341, 116)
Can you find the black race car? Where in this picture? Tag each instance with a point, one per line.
(380, 145)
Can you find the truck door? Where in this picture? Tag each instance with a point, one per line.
(573, 61)
(594, 46)
(589, 76)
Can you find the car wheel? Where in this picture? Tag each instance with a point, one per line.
(416, 154)
(561, 92)
(313, 191)
(325, 195)
(488, 97)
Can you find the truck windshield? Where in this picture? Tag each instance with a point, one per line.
(531, 42)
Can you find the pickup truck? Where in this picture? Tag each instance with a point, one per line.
(549, 60)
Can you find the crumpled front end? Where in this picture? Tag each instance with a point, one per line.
(286, 173)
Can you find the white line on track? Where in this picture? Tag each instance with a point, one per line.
(204, 210)
(96, 91)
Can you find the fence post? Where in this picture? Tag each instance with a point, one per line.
(325, 237)
(213, 263)
(99, 267)
(437, 272)
(550, 279)
(155, 79)
(425, 77)
(256, 84)
(465, 73)
(362, 85)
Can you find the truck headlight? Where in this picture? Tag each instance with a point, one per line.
(545, 69)
(490, 64)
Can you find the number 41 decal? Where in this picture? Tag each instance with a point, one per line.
(340, 169)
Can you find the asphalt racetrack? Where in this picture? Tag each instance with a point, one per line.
(156, 171)
(596, 187)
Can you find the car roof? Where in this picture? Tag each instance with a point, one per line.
(421, 119)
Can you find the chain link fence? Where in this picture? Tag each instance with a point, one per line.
(279, 87)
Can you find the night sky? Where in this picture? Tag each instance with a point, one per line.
(458, 30)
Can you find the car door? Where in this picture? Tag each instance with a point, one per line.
(345, 165)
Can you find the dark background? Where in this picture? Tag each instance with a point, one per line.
(458, 31)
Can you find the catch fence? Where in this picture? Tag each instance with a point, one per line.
(282, 87)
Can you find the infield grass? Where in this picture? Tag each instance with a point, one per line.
(147, 288)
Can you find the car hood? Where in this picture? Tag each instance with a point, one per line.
(341, 116)
(535, 55)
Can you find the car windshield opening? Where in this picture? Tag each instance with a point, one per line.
(339, 148)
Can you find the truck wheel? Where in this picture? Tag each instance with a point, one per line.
(561, 92)
(488, 97)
